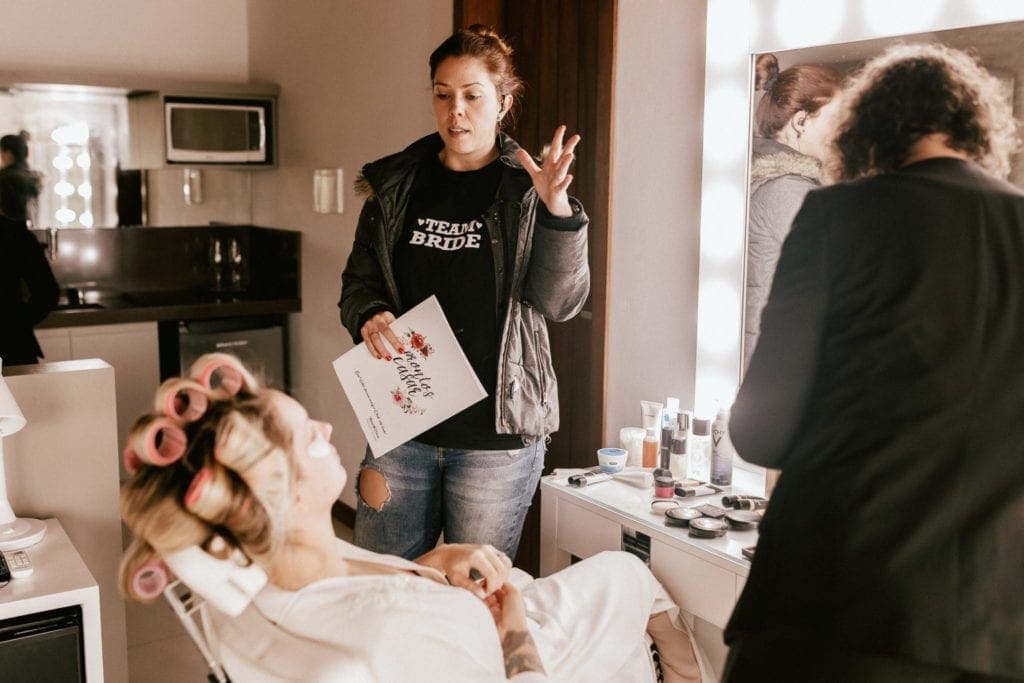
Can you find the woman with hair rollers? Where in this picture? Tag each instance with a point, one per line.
(227, 469)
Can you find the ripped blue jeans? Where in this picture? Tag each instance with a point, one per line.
(473, 496)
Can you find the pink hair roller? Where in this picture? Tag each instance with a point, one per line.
(197, 489)
(182, 400)
(131, 460)
(149, 580)
(220, 372)
(160, 443)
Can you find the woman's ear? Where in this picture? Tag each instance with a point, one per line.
(799, 122)
(506, 104)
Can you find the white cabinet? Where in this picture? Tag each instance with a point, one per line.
(133, 351)
(704, 576)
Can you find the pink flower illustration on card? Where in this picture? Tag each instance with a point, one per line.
(405, 403)
(419, 343)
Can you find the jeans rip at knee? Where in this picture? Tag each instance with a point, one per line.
(372, 488)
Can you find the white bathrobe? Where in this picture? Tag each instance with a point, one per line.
(588, 622)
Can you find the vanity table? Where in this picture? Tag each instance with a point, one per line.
(61, 581)
(704, 576)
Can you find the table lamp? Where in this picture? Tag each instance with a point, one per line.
(14, 533)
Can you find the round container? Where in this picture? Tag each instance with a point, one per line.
(611, 460)
(681, 516)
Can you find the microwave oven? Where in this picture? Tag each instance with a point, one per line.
(218, 131)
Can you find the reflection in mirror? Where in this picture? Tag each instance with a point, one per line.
(76, 136)
(738, 31)
(791, 118)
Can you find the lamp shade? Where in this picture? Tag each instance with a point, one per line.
(11, 419)
(15, 532)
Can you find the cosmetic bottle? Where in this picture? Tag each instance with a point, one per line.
(664, 482)
(669, 424)
(632, 439)
(677, 454)
(721, 449)
(650, 415)
(699, 467)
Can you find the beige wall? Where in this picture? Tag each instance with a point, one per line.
(180, 39)
(354, 87)
(657, 123)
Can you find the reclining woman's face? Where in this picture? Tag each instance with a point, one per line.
(319, 476)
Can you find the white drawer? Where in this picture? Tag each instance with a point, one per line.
(699, 587)
(741, 581)
(582, 533)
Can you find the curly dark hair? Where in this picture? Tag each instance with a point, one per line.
(913, 90)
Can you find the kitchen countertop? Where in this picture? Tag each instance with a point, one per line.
(157, 306)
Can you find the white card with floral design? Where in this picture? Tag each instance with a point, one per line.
(432, 380)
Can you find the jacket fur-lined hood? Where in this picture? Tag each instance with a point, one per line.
(773, 160)
(376, 174)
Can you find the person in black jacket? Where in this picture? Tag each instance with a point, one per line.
(466, 215)
(28, 289)
(888, 385)
(21, 184)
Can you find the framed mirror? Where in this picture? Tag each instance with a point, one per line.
(838, 32)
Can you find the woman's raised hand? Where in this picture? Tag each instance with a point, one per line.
(480, 569)
(552, 178)
(378, 329)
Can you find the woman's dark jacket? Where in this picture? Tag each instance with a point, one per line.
(28, 291)
(888, 385)
(541, 273)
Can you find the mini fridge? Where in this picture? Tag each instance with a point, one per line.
(46, 646)
(260, 343)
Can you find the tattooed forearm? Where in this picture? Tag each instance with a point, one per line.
(520, 653)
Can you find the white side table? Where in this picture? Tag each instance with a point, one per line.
(704, 576)
(60, 579)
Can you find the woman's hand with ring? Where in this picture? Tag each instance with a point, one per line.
(378, 329)
(480, 569)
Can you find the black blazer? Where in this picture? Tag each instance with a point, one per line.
(28, 291)
(888, 385)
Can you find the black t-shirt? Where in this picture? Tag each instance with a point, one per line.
(445, 250)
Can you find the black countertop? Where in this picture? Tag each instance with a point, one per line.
(126, 275)
(130, 310)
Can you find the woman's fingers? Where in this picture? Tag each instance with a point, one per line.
(377, 334)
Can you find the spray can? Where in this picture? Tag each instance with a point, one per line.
(721, 449)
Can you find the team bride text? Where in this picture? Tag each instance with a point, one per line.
(447, 236)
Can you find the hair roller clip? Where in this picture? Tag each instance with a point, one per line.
(160, 442)
(222, 373)
(182, 400)
(209, 494)
(149, 580)
(131, 460)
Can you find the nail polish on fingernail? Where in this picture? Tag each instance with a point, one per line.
(401, 349)
(387, 357)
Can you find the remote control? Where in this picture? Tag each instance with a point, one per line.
(19, 564)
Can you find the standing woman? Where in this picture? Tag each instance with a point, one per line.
(467, 215)
(21, 183)
(888, 385)
(792, 126)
